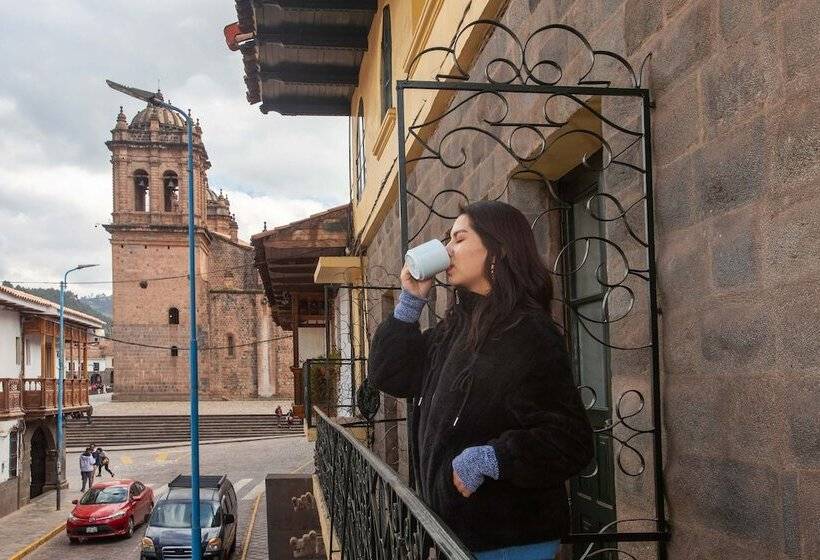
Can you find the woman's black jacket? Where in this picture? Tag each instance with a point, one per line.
(517, 395)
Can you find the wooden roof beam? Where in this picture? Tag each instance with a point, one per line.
(324, 37)
(301, 105)
(323, 5)
(311, 74)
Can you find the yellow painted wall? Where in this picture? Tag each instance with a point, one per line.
(416, 25)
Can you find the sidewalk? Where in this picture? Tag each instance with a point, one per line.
(103, 406)
(36, 519)
(258, 546)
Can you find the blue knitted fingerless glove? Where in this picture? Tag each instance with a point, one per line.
(409, 307)
(474, 463)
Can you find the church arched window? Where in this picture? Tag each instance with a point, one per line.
(170, 186)
(141, 201)
(174, 351)
(231, 345)
(173, 316)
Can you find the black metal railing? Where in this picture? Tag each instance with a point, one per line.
(330, 384)
(373, 514)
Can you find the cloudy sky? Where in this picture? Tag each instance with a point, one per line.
(56, 113)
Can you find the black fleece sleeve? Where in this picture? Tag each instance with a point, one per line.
(555, 439)
(397, 356)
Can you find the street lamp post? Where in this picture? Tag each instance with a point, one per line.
(61, 377)
(193, 365)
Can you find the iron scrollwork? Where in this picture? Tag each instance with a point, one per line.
(486, 113)
(374, 515)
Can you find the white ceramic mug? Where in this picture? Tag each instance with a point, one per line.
(427, 260)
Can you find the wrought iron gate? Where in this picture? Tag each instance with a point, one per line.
(550, 111)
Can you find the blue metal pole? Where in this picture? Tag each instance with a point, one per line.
(60, 377)
(196, 532)
(156, 99)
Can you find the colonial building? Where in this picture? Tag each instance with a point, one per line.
(29, 346)
(666, 154)
(239, 344)
(287, 257)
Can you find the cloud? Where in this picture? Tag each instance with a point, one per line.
(50, 220)
(255, 211)
(56, 113)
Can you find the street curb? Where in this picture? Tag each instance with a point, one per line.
(246, 545)
(31, 547)
(167, 445)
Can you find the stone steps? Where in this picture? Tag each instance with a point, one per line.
(107, 431)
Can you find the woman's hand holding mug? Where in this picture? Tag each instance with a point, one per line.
(421, 264)
(419, 288)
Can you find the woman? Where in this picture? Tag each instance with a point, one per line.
(498, 425)
(102, 462)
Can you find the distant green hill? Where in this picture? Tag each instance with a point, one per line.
(98, 306)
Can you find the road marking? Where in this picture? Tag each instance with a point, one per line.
(257, 490)
(37, 543)
(127, 460)
(159, 492)
(241, 484)
(299, 468)
(160, 457)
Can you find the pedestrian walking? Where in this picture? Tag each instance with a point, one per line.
(497, 479)
(87, 463)
(96, 455)
(278, 413)
(102, 462)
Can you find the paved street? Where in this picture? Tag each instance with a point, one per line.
(245, 463)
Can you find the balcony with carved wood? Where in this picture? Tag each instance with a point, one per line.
(38, 397)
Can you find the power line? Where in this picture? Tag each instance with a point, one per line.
(251, 265)
(203, 348)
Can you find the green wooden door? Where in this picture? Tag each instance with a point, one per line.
(592, 493)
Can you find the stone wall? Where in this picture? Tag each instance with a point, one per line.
(736, 178)
(8, 495)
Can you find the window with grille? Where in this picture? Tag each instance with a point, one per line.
(387, 63)
(360, 153)
(13, 452)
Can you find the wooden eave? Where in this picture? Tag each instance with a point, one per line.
(305, 55)
(286, 258)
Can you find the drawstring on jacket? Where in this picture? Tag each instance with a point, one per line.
(464, 382)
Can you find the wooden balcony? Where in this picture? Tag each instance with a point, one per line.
(39, 396)
(10, 398)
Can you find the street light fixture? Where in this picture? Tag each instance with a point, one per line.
(156, 99)
(61, 378)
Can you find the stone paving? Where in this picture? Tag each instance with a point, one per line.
(19, 528)
(103, 406)
(258, 547)
(246, 463)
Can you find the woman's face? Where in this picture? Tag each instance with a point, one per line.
(467, 258)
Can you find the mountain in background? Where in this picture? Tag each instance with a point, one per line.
(102, 303)
(99, 306)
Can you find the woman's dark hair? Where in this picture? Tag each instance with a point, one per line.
(519, 280)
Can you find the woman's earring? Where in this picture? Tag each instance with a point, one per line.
(492, 271)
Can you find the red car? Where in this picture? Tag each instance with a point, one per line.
(110, 508)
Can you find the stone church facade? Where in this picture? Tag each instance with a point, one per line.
(243, 354)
